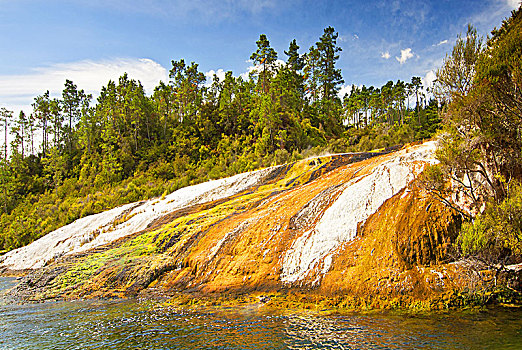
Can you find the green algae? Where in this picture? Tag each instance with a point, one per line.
(344, 304)
(137, 250)
(129, 266)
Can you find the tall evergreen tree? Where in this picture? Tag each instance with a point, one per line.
(56, 119)
(330, 76)
(265, 56)
(19, 131)
(163, 97)
(295, 61)
(312, 73)
(42, 111)
(5, 118)
(187, 82)
(72, 102)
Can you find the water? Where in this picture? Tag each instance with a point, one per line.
(133, 324)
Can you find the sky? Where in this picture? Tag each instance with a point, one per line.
(44, 42)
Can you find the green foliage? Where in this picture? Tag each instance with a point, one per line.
(481, 145)
(483, 118)
(265, 56)
(455, 77)
(330, 77)
(295, 61)
(496, 234)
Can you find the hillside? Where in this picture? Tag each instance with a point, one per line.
(436, 224)
(348, 224)
(77, 155)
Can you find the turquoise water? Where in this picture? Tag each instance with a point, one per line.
(133, 324)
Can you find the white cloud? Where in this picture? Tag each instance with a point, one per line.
(344, 90)
(514, 4)
(406, 54)
(210, 75)
(441, 43)
(258, 68)
(245, 75)
(428, 79)
(386, 55)
(347, 89)
(18, 91)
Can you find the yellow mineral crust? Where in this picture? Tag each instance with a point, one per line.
(337, 227)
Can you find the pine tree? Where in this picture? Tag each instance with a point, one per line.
(330, 77)
(72, 101)
(312, 73)
(455, 77)
(18, 131)
(41, 107)
(265, 56)
(295, 61)
(187, 82)
(5, 118)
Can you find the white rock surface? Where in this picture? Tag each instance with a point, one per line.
(60, 241)
(361, 197)
(99, 229)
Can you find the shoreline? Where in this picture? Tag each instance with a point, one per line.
(299, 300)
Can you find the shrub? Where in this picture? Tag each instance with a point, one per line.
(496, 234)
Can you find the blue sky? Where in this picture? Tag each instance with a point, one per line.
(90, 42)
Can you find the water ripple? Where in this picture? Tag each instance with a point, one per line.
(152, 325)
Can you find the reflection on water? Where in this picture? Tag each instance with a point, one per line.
(491, 330)
(152, 325)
